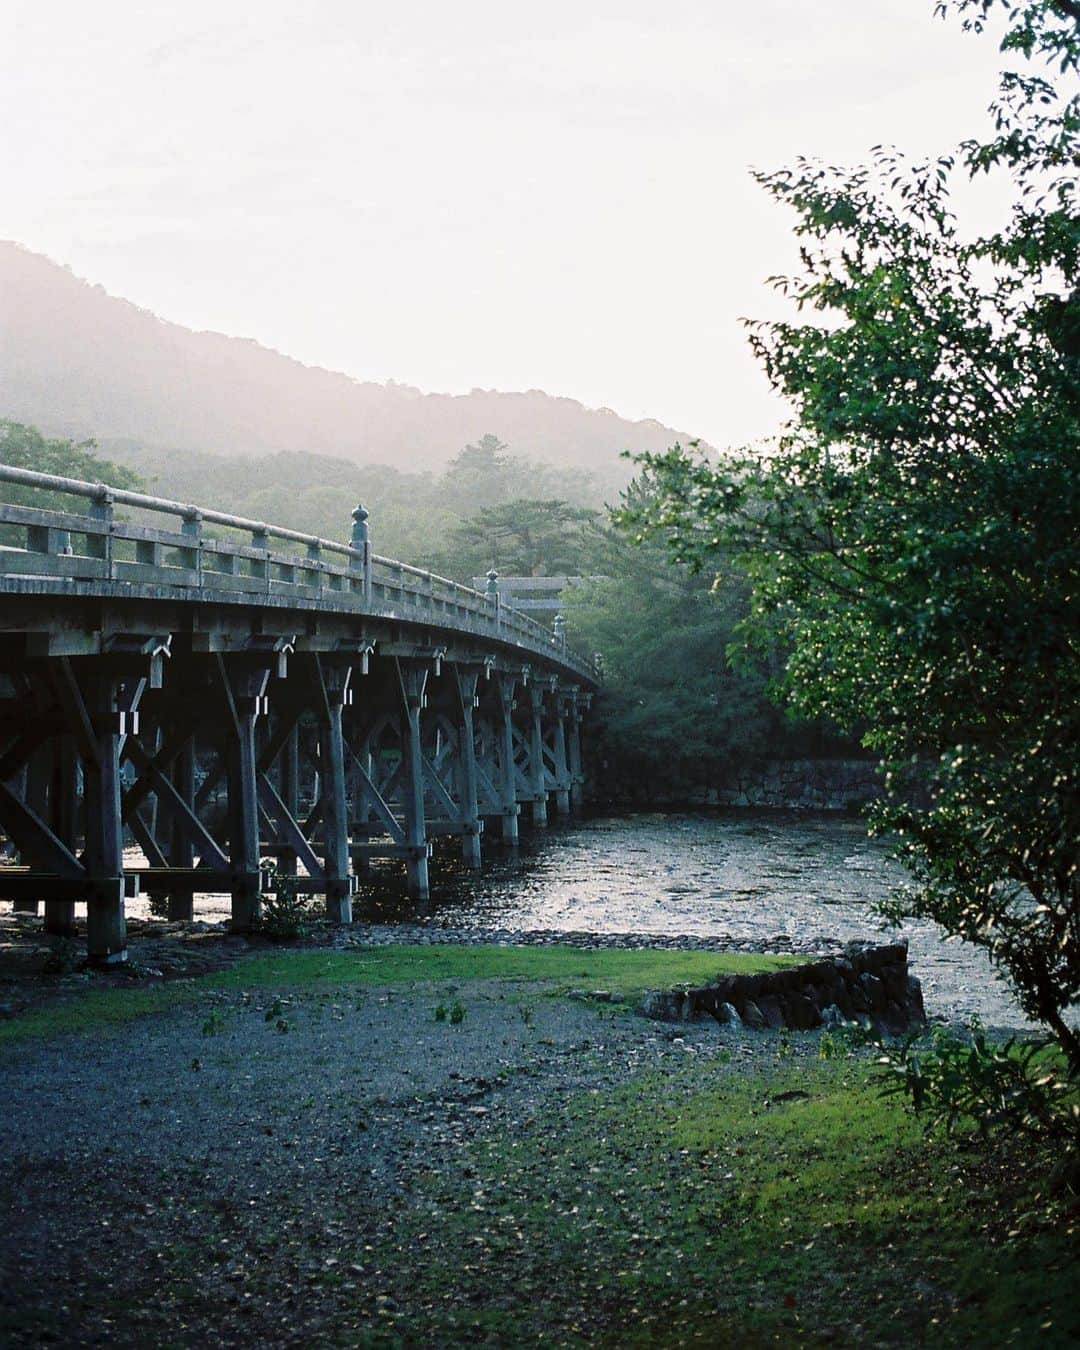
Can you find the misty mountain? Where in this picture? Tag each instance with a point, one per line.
(75, 361)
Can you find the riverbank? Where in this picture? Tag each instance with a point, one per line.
(414, 1146)
(736, 881)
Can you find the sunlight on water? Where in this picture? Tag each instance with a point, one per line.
(699, 874)
(813, 879)
(810, 880)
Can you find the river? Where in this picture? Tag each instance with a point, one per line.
(797, 880)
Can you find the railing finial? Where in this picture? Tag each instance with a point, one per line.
(361, 541)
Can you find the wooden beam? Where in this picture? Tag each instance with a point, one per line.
(287, 832)
(206, 845)
(35, 841)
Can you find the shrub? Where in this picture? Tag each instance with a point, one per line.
(286, 912)
(1020, 1086)
(63, 957)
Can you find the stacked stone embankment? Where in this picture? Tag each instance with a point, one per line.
(865, 983)
(804, 784)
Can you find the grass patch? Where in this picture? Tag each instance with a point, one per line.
(93, 1008)
(621, 971)
(676, 1210)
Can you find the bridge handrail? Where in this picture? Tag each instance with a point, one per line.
(356, 576)
(76, 487)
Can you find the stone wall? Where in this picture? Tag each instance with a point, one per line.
(789, 784)
(811, 784)
(865, 983)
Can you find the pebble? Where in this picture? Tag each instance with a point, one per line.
(384, 935)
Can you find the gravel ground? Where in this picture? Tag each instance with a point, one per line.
(226, 1173)
(221, 1174)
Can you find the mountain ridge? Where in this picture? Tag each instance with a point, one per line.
(77, 361)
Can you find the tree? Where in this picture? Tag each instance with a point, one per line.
(489, 474)
(482, 475)
(674, 713)
(912, 536)
(487, 456)
(23, 447)
(525, 537)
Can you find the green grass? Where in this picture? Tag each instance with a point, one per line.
(783, 1202)
(695, 1206)
(92, 1009)
(622, 972)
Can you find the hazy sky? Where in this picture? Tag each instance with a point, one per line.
(473, 194)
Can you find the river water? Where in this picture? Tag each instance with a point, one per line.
(801, 881)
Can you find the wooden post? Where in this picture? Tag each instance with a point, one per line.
(245, 705)
(466, 681)
(574, 748)
(106, 926)
(413, 678)
(494, 599)
(360, 800)
(334, 683)
(562, 771)
(152, 801)
(38, 774)
(361, 541)
(191, 555)
(64, 790)
(537, 777)
(181, 904)
(507, 772)
(101, 545)
(290, 792)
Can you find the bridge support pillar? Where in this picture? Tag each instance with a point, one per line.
(466, 682)
(290, 791)
(361, 799)
(37, 772)
(335, 694)
(574, 756)
(106, 925)
(245, 703)
(181, 904)
(562, 770)
(413, 679)
(60, 914)
(537, 778)
(507, 768)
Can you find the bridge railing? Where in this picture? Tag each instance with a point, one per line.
(96, 542)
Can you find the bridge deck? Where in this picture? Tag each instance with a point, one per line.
(100, 553)
(186, 681)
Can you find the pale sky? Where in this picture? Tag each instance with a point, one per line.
(464, 195)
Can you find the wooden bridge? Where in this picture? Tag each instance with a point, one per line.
(216, 692)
